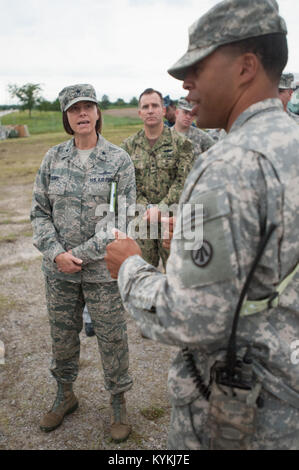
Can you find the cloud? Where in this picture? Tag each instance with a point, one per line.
(120, 46)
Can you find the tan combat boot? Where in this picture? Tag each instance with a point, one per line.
(64, 404)
(120, 429)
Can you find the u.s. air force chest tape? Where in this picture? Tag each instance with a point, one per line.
(209, 255)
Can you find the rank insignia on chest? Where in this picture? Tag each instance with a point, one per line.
(203, 255)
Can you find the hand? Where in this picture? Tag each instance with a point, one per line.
(152, 215)
(67, 263)
(168, 231)
(118, 251)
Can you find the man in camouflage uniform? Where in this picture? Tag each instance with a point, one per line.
(216, 134)
(183, 125)
(170, 111)
(71, 231)
(293, 104)
(247, 182)
(162, 160)
(286, 92)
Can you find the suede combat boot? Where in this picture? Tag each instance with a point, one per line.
(120, 429)
(64, 404)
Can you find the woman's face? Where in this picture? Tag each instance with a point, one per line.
(82, 117)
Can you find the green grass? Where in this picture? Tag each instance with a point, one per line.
(20, 158)
(43, 122)
(152, 413)
(117, 121)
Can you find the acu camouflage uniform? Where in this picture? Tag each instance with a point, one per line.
(160, 172)
(201, 141)
(292, 115)
(285, 83)
(216, 134)
(247, 181)
(66, 195)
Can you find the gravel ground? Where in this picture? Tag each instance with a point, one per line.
(27, 389)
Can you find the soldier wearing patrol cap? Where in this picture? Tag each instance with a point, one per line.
(74, 180)
(162, 160)
(285, 88)
(293, 104)
(183, 125)
(245, 396)
(170, 111)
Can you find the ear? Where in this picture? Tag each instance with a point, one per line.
(164, 111)
(249, 66)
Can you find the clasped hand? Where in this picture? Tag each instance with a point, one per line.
(67, 263)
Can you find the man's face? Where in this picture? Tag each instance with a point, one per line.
(151, 110)
(184, 118)
(212, 89)
(170, 113)
(285, 96)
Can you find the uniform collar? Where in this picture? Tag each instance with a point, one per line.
(100, 152)
(163, 139)
(270, 104)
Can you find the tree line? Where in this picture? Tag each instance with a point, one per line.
(30, 97)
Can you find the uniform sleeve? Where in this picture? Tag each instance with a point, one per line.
(194, 303)
(45, 236)
(207, 142)
(185, 159)
(94, 248)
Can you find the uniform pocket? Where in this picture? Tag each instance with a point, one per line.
(57, 185)
(166, 160)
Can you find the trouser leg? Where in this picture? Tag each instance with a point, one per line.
(188, 426)
(105, 308)
(65, 305)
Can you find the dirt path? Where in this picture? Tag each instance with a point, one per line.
(26, 386)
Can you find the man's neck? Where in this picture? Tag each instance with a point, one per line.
(180, 128)
(153, 132)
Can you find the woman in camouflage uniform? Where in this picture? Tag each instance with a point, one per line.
(74, 180)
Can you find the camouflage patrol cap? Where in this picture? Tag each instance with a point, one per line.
(75, 93)
(286, 81)
(227, 22)
(184, 104)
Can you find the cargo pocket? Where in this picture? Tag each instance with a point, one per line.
(211, 256)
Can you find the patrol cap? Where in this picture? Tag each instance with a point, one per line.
(184, 104)
(167, 101)
(286, 80)
(75, 93)
(227, 22)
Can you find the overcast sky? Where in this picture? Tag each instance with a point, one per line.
(119, 46)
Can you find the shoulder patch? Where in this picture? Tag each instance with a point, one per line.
(203, 255)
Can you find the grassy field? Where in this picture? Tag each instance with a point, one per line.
(43, 122)
(20, 158)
